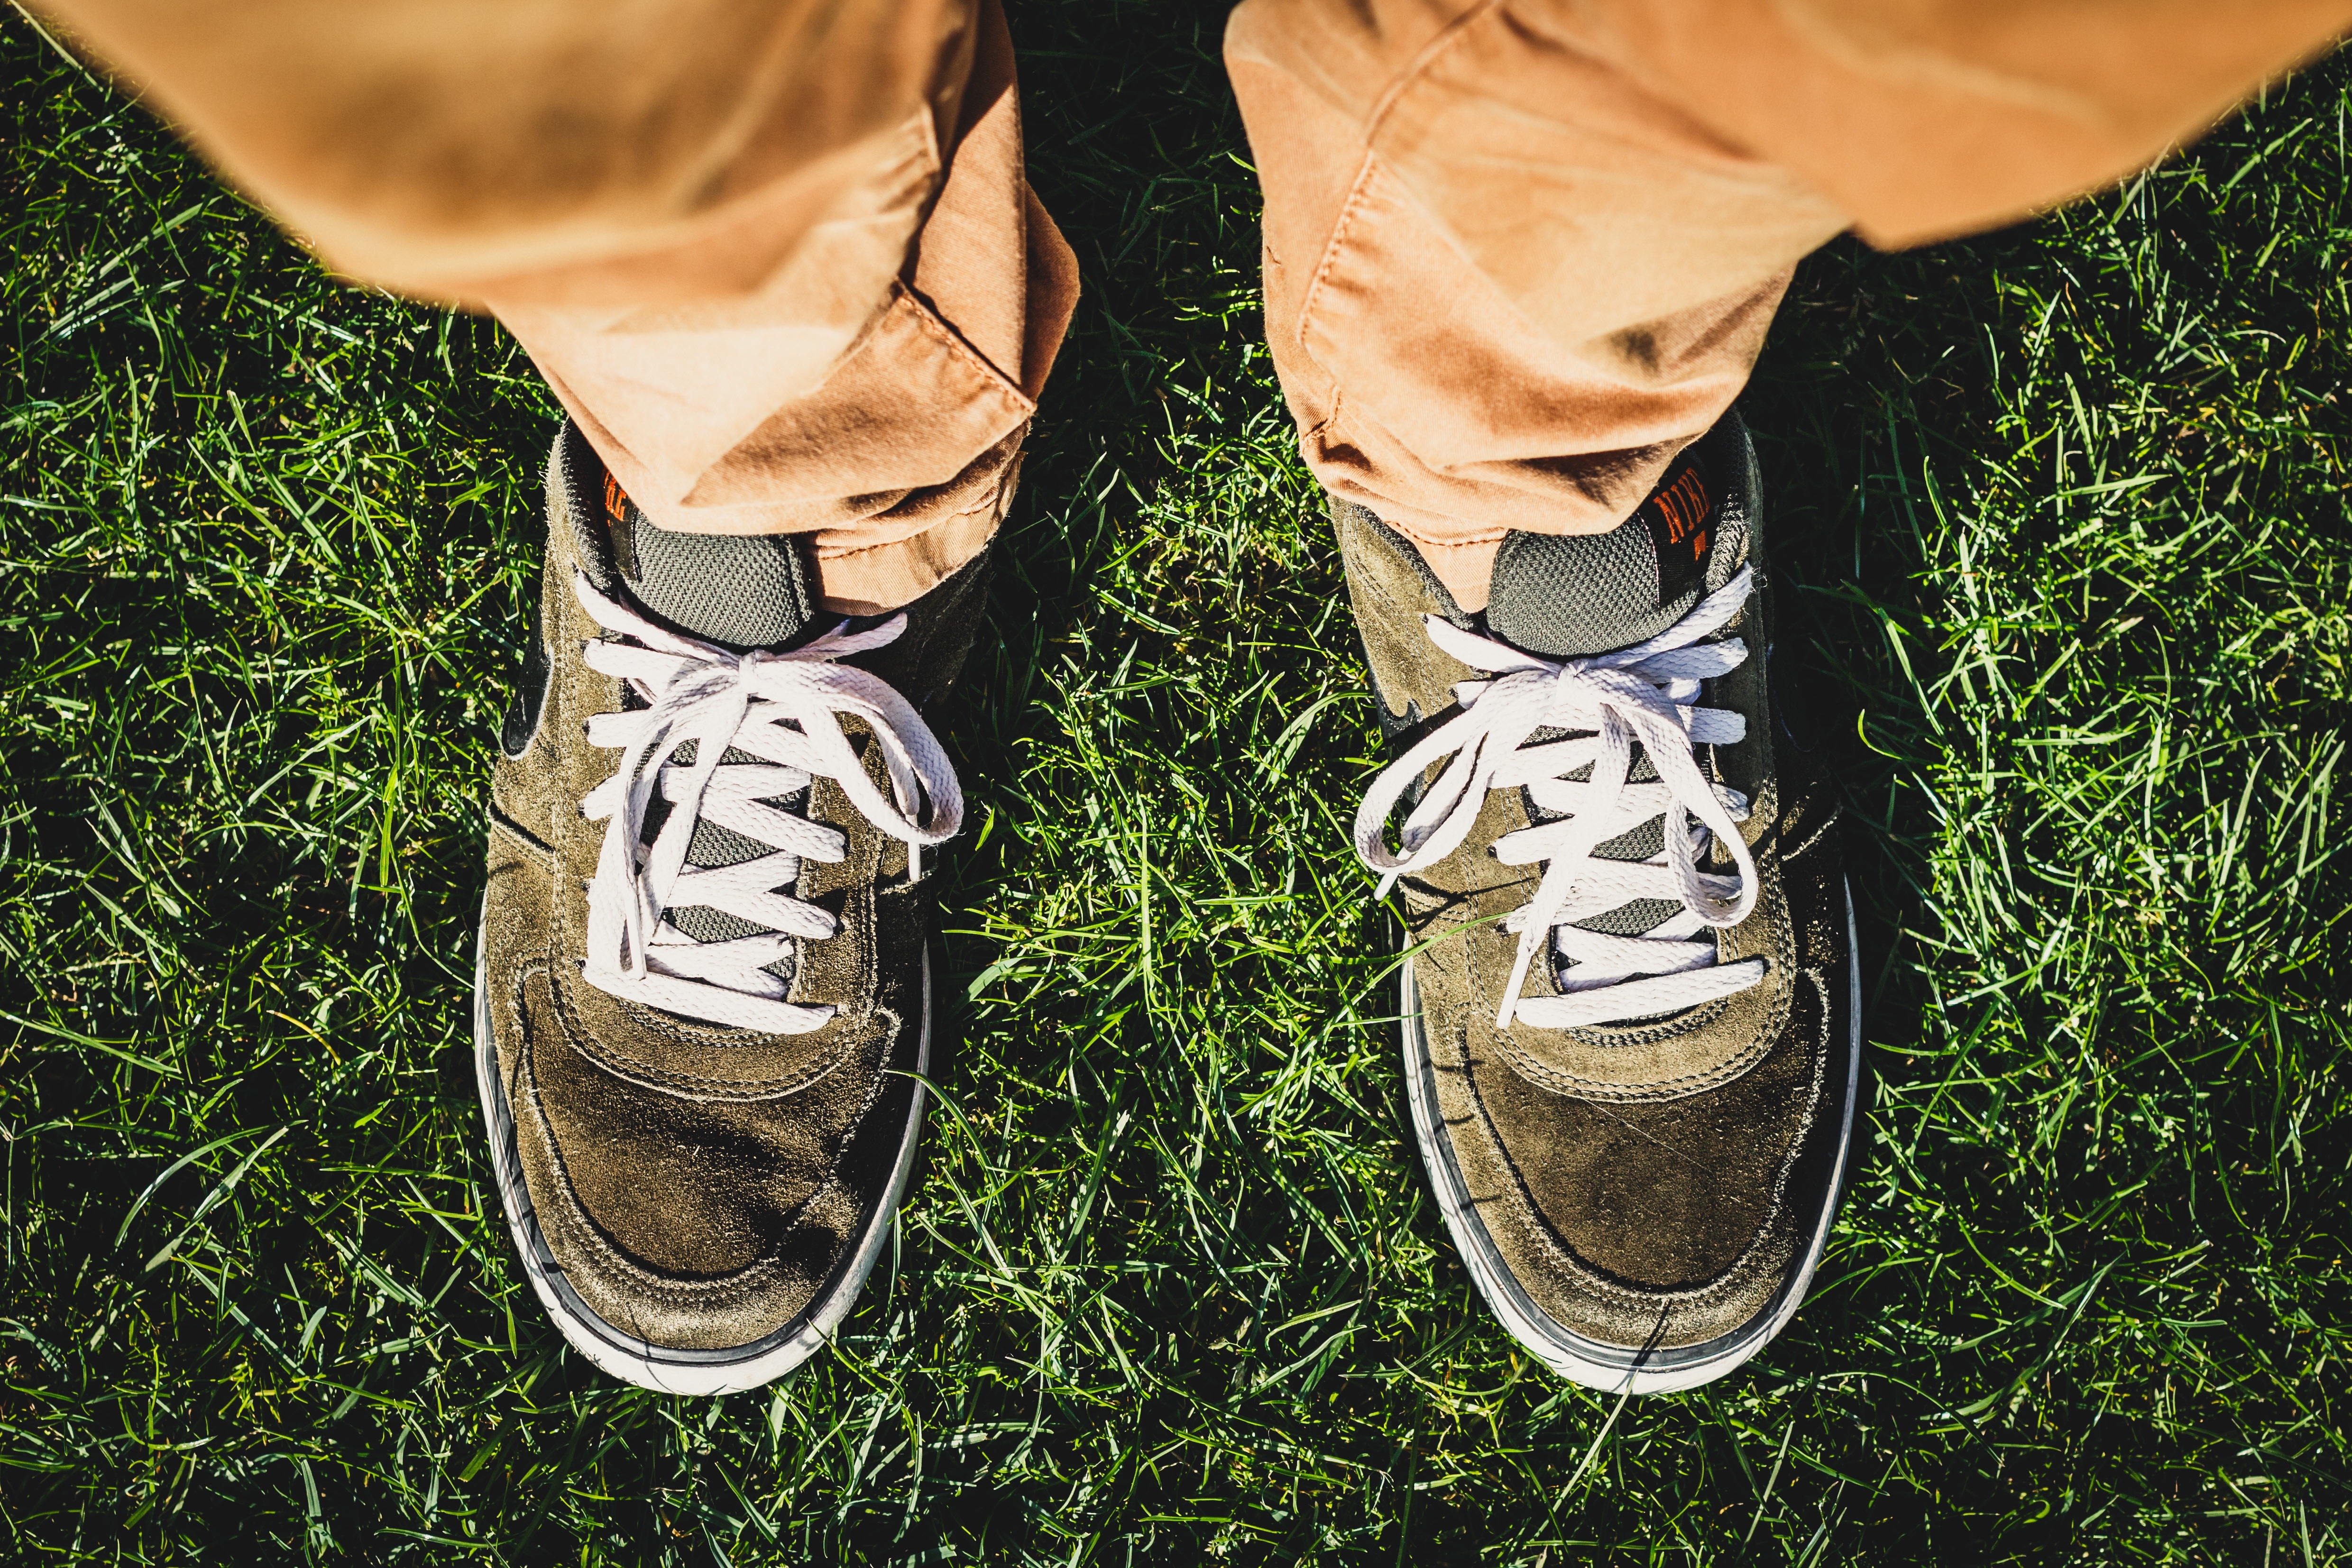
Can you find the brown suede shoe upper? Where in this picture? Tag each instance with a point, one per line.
(697, 1184)
(1652, 1183)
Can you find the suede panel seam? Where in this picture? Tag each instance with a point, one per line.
(1737, 1275)
(1561, 1080)
(502, 823)
(582, 1232)
(582, 1039)
(1727, 951)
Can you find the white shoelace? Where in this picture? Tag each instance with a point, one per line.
(785, 709)
(1649, 693)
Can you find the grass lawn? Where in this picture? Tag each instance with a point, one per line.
(2062, 516)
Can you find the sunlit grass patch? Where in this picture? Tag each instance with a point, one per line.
(2062, 516)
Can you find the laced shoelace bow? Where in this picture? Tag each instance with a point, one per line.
(1647, 692)
(785, 708)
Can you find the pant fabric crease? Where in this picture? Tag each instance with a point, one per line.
(783, 265)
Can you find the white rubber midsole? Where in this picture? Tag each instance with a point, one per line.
(1614, 1369)
(622, 1354)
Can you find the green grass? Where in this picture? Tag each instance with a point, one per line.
(2063, 512)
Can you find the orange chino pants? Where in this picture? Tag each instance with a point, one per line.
(780, 262)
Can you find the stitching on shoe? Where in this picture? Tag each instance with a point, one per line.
(579, 1229)
(1555, 1248)
(1562, 1082)
(680, 1033)
(584, 1040)
(582, 1229)
(500, 821)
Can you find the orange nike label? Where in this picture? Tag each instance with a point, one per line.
(617, 527)
(1681, 517)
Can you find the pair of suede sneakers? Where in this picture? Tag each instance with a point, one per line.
(703, 1001)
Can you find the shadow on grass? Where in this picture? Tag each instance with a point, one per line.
(2061, 512)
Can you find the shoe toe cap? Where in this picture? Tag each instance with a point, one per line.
(692, 1224)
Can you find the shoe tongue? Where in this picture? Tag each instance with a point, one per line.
(744, 591)
(1564, 596)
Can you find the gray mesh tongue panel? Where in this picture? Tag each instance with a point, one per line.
(745, 591)
(1570, 595)
(1578, 593)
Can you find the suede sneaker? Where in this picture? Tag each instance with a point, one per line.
(702, 1002)
(1632, 1041)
